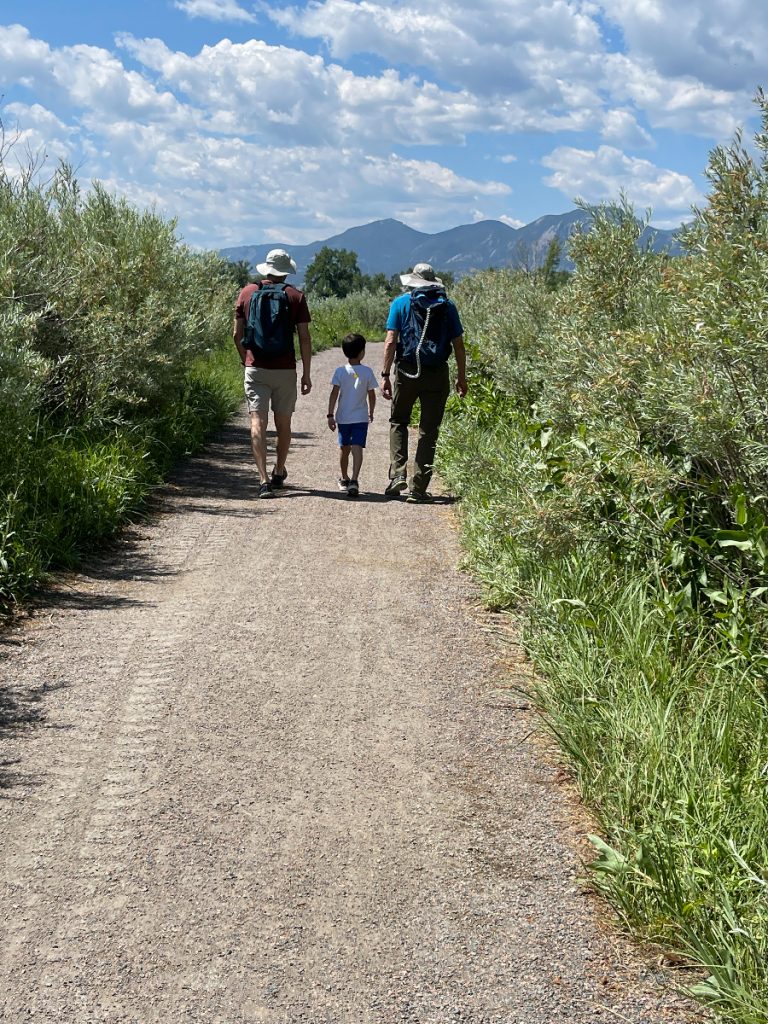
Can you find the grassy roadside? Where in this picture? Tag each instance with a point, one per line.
(612, 460)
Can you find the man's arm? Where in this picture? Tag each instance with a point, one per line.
(390, 347)
(461, 364)
(305, 347)
(238, 331)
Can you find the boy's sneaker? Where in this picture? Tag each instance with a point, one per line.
(420, 498)
(278, 479)
(396, 485)
(343, 483)
(353, 489)
(265, 490)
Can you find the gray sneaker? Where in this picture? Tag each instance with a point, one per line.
(396, 486)
(353, 489)
(420, 498)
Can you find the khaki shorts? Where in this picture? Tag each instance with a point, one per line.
(263, 386)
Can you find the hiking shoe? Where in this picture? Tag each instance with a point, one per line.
(353, 489)
(396, 485)
(343, 483)
(265, 490)
(278, 479)
(420, 498)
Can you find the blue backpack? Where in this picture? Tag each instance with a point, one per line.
(269, 329)
(425, 338)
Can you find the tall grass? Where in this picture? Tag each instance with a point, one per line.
(115, 359)
(361, 312)
(612, 459)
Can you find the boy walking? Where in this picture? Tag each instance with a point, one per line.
(353, 386)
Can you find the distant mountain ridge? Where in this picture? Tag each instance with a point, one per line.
(389, 246)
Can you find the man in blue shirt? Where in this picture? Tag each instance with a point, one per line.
(423, 328)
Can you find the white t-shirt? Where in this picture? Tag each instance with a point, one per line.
(354, 383)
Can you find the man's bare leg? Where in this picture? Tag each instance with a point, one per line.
(259, 444)
(283, 428)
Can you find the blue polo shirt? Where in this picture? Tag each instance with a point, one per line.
(401, 307)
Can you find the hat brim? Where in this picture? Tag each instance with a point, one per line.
(268, 271)
(414, 281)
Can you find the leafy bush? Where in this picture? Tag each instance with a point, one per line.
(364, 312)
(111, 364)
(611, 455)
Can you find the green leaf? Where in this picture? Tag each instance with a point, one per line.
(741, 510)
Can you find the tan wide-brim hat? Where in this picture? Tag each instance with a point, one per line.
(422, 276)
(277, 264)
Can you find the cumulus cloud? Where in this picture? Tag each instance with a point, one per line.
(680, 104)
(621, 127)
(36, 134)
(700, 59)
(82, 76)
(601, 175)
(484, 46)
(215, 10)
(722, 45)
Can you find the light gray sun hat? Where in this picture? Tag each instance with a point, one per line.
(278, 263)
(422, 276)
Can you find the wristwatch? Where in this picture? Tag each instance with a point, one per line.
(385, 375)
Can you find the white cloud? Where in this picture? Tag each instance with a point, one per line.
(508, 158)
(680, 104)
(215, 10)
(602, 175)
(484, 46)
(513, 222)
(721, 44)
(34, 134)
(621, 127)
(81, 76)
(690, 66)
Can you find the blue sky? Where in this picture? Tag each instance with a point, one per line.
(251, 122)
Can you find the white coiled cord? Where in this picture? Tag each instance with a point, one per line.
(415, 376)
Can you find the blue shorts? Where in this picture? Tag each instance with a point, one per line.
(352, 433)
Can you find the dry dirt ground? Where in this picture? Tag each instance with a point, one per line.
(257, 766)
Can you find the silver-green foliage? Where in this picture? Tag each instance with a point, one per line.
(363, 312)
(612, 457)
(108, 326)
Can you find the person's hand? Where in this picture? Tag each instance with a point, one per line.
(386, 388)
(306, 384)
(331, 421)
(370, 418)
(461, 387)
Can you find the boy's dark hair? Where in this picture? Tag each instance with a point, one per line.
(353, 345)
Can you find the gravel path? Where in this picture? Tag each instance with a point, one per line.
(255, 766)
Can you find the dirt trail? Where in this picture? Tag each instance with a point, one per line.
(254, 768)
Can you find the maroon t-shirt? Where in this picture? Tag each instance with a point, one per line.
(297, 304)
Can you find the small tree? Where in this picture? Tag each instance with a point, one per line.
(239, 271)
(333, 272)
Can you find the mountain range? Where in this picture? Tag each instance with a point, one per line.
(389, 246)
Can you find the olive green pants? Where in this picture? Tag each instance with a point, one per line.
(431, 388)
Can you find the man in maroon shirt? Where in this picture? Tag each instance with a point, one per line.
(271, 379)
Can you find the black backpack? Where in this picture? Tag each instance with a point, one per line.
(425, 337)
(269, 329)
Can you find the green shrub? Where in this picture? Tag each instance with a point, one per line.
(115, 358)
(362, 312)
(611, 457)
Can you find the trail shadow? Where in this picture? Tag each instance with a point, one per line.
(372, 497)
(21, 709)
(223, 471)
